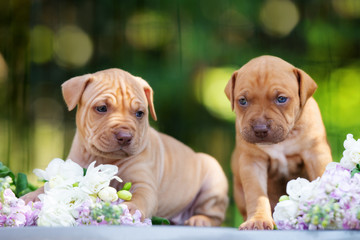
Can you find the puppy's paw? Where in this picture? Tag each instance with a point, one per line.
(258, 223)
(132, 209)
(32, 196)
(199, 221)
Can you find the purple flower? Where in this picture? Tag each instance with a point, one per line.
(335, 203)
(68, 199)
(106, 213)
(14, 212)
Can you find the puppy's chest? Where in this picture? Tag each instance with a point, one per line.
(284, 158)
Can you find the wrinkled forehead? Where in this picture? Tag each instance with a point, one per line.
(114, 87)
(267, 75)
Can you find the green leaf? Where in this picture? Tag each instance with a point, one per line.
(25, 191)
(160, 221)
(21, 184)
(5, 171)
(84, 171)
(354, 171)
(32, 187)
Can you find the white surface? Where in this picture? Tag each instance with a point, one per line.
(164, 232)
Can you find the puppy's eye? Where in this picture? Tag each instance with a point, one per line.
(281, 99)
(101, 109)
(139, 114)
(243, 101)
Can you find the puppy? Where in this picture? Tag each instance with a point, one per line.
(168, 178)
(279, 135)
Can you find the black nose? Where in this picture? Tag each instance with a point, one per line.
(124, 138)
(261, 130)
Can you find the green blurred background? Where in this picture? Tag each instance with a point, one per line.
(187, 51)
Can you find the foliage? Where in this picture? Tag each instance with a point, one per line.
(19, 184)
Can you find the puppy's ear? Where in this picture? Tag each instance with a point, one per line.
(307, 86)
(73, 88)
(149, 93)
(229, 89)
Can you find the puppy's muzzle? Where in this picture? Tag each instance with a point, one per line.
(261, 130)
(124, 137)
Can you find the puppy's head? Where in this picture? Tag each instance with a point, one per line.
(268, 95)
(112, 114)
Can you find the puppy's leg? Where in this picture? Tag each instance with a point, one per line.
(210, 205)
(33, 196)
(253, 176)
(316, 159)
(239, 197)
(144, 190)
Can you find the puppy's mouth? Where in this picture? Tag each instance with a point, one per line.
(263, 135)
(119, 152)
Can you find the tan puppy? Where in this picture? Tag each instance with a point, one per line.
(169, 179)
(279, 135)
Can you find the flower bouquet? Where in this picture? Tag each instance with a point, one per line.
(329, 202)
(72, 196)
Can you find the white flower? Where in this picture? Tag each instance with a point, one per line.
(71, 198)
(67, 189)
(108, 194)
(332, 166)
(55, 214)
(300, 189)
(97, 178)
(55, 217)
(285, 210)
(5, 183)
(51, 169)
(60, 173)
(351, 155)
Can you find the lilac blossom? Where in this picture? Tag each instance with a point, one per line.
(330, 202)
(109, 213)
(71, 197)
(15, 213)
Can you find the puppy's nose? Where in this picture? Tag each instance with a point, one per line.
(261, 130)
(124, 138)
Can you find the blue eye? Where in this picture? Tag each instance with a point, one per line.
(281, 99)
(242, 101)
(139, 114)
(101, 109)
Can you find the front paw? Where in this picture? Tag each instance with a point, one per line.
(199, 221)
(258, 223)
(132, 209)
(32, 196)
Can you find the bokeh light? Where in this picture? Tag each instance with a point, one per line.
(73, 47)
(279, 17)
(326, 41)
(3, 69)
(149, 30)
(347, 8)
(345, 97)
(41, 44)
(48, 109)
(48, 132)
(210, 85)
(235, 27)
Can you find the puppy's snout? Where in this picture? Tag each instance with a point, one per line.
(261, 130)
(124, 137)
